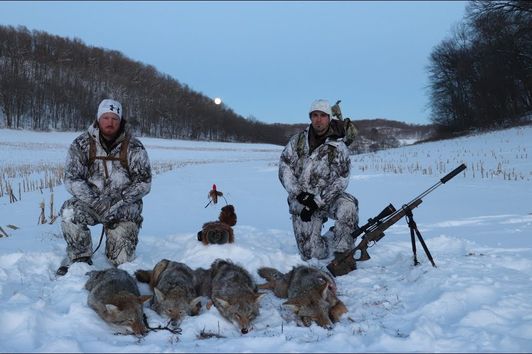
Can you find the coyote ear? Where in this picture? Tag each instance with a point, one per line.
(111, 308)
(195, 302)
(222, 302)
(158, 294)
(324, 290)
(142, 299)
(337, 311)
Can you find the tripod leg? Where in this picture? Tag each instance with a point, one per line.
(427, 252)
(413, 239)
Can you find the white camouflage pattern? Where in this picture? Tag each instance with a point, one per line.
(324, 173)
(115, 201)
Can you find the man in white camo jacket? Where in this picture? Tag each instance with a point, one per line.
(108, 172)
(314, 169)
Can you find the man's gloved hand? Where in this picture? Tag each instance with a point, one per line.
(306, 214)
(111, 215)
(103, 204)
(307, 199)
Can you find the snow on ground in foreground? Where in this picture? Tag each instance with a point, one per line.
(478, 227)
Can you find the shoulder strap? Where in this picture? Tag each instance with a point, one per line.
(122, 157)
(300, 147)
(92, 151)
(123, 153)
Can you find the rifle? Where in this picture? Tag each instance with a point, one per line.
(374, 229)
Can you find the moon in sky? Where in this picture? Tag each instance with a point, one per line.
(217, 100)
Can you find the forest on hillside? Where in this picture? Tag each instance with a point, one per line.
(52, 83)
(481, 77)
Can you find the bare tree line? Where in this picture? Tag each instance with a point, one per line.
(52, 83)
(481, 77)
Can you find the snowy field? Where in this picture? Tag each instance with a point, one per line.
(478, 227)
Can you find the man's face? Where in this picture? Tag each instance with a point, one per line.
(320, 122)
(109, 123)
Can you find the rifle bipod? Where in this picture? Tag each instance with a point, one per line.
(413, 229)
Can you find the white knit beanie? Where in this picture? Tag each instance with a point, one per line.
(109, 105)
(322, 106)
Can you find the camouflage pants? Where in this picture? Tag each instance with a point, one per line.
(122, 236)
(310, 242)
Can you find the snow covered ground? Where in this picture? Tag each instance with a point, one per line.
(478, 228)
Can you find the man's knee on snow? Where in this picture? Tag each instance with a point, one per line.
(122, 239)
(78, 239)
(347, 213)
(308, 238)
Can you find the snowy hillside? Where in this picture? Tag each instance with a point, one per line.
(478, 227)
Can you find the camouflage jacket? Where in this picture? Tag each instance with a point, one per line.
(87, 182)
(324, 172)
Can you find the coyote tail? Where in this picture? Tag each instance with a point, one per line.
(276, 281)
(152, 276)
(270, 274)
(144, 276)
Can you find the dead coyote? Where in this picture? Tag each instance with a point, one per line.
(173, 286)
(311, 294)
(234, 293)
(115, 297)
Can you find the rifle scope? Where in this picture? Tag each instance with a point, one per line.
(389, 210)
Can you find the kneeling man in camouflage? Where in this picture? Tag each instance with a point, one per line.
(108, 173)
(314, 169)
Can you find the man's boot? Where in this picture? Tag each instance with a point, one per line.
(79, 244)
(342, 263)
(64, 268)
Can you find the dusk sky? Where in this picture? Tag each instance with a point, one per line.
(265, 59)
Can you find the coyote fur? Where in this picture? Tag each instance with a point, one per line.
(174, 288)
(234, 293)
(221, 231)
(115, 297)
(311, 294)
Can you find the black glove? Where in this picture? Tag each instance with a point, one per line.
(306, 214)
(307, 199)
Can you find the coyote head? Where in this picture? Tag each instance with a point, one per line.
(125, 311)
(308, 310)
(175, 305)
(240, 311)
(318, 304)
